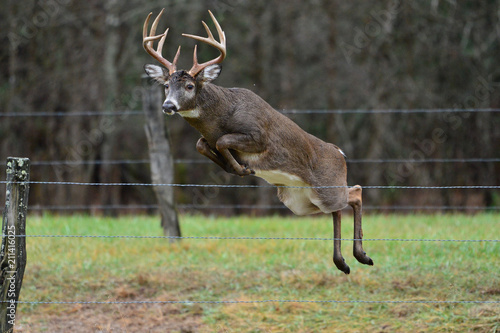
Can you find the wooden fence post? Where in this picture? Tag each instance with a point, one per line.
(13, 250)
(162, 163)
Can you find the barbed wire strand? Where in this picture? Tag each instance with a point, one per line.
(242, 206)
(259, 238)
(284, 111)
(406, 187)
(428, 160)
(389, 111)
(259, 301)
(71, 114)
(193, 206)
(206, 161)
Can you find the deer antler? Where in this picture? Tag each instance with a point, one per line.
(210, 40)
(147, 42)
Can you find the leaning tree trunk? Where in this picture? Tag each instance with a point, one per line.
(110, 196)
(162, 164)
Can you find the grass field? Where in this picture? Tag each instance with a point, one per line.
(82, 269)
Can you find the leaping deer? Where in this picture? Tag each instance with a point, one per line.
(245, 136)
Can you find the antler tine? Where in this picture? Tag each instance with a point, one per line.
(155, 23)
(145, 27)
(159, 49)
(222, 35)
(149, 39)
(177, 55)
(210, 40)
(207, 29)
(147, 42)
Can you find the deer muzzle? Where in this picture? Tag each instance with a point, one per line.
(169, 108)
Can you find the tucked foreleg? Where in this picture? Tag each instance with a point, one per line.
(238, 142)
(203, 148)
(356, 202)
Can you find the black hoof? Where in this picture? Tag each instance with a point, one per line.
(363, 258)
(341, 265)
(249, 170)
(245, 171)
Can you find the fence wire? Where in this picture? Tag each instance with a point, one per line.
(404, 187)
(261, 301)
(241, 206)
(260, 238)
(389, 111)
(206, 161)
(284, 111)
(71, 114)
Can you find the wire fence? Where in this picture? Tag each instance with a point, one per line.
(122, 162)
(301, 239)
(206, 161)
(260, 238)
(404, 187)
(228, 238)
(251, 206)
(290, 111)
(257, 207)
(240, 206)
(264, 301)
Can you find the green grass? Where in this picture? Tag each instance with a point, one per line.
(80, 269)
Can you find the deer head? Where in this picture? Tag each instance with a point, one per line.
(182, 87)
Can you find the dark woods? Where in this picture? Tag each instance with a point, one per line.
(74, 56)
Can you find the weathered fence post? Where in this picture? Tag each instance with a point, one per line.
(162, 164)
(13, 250)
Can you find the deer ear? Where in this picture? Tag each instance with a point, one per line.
(209, 74)
(157, 73)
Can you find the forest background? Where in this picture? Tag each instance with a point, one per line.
(64, 56)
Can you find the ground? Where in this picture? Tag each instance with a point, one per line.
(96, 269)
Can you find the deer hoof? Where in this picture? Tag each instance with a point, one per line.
(245, 171)
(341, 265)
(363, 258)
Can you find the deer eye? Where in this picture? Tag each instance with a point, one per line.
(190, 87)
(166, 86)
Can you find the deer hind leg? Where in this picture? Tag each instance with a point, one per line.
(337, 253)
(356, 202)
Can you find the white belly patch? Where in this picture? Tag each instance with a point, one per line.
(300, 201)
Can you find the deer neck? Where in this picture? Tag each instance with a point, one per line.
(211, 101)
(213, 104)
(212, 98)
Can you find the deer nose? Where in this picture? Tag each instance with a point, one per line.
(169, 107)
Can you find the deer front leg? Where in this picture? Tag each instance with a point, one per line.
(337, 253)
(203, 148)
(356, 202)
(240, 142)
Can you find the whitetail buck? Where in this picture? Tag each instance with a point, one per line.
(244, 135)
